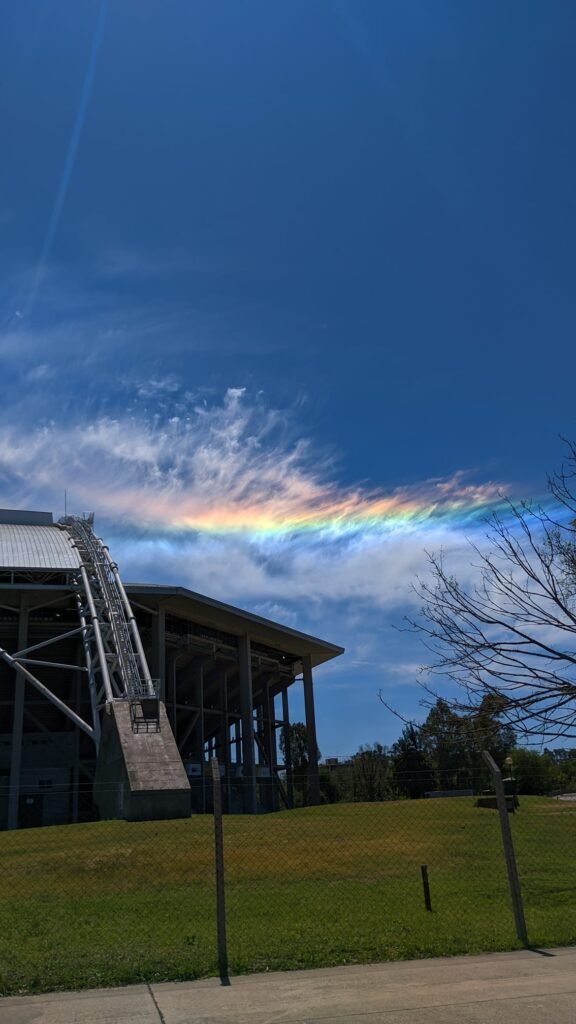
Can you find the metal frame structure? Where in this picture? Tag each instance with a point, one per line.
(116, 648)
(66, 681)
(226, 681)
(79, 640)
(116, 664)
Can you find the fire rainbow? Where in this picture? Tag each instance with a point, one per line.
(351, 515)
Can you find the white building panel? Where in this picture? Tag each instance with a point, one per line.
(36, 547)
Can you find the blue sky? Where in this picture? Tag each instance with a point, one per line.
(295, 257)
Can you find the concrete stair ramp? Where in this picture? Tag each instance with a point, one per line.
(139, 775)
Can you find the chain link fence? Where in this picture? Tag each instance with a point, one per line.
(113, 902)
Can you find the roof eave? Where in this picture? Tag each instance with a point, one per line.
(237, 621)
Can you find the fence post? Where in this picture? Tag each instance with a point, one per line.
(426, 886)
(513, 879)
(219, 864)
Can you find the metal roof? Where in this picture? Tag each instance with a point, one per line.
(25, 517)
(36, 547)
(226, 617)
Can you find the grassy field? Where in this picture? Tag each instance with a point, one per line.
(113, 902)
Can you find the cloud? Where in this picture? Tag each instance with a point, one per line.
(92, 330)
(125, 261)
(227, 497)
(40, 372)
(159, 386)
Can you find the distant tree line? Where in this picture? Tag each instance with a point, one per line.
(443, 753)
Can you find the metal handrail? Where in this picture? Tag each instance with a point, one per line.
(103, 582)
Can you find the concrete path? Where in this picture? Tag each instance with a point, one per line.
(507, 988)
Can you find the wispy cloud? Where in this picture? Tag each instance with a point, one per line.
(133, 262)
(92, 329)
(227, 497)
(223, 468)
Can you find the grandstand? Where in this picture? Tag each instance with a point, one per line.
(114, 697)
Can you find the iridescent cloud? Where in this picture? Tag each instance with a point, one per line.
(227, 468)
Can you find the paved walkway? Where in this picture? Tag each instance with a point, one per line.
(515, 988)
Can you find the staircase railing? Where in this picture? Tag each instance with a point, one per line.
(118, 649)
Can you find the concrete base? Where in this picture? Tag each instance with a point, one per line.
(139, 775)
(491, 802)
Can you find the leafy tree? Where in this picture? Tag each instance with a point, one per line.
(341, 786)
(512, 636)
(331, 789)
(372, 774)
(535, 773)
(294, 748)
(564, 760)
(445, 752)
(444, 741)
(454, 743)
(412, 772)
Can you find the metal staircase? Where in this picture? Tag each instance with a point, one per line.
(114, 653)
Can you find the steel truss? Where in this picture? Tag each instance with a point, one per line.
(114, 653)
(114, 659)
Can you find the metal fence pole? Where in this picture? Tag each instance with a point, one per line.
(426, 886)
(219, 864)
(513, 879)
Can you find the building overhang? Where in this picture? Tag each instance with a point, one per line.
(226, 618)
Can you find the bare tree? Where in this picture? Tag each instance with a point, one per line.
(511, 638)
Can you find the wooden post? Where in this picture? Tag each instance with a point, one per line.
(426, 886)
(219, 865)
(511, 868)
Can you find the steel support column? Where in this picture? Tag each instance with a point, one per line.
(225, 737)
(247, 710)
(17, 723)
(270, 740)
(159, 651)
(237, 743)
(313, 773)
(76, 766)
(199, 673)
(287, 753)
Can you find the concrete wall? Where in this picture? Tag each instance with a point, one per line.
(139, 775)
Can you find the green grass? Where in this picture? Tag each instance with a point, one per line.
(113, 902)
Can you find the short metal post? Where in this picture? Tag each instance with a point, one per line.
(513, 879)
(219, 864)
(426, 886)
